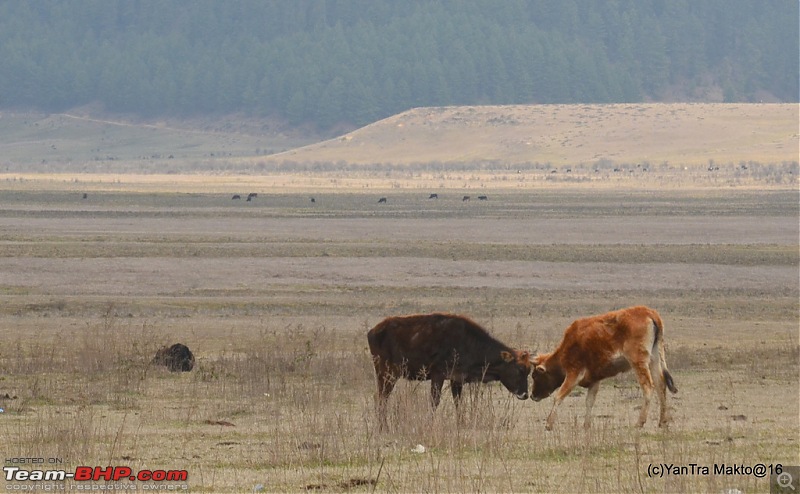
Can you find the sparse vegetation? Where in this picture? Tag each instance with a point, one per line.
(614, 143)
(647, 145)
(274, 298)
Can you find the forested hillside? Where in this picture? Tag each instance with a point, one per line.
(333, 61)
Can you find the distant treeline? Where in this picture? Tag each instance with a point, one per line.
(355, 61)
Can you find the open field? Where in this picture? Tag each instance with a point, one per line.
(275, 296)
(80, 141)
(568, 135)
(474, 148)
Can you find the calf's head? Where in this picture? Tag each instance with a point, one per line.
(545, 380)
(513, 371)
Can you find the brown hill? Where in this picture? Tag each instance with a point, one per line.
(682, 133)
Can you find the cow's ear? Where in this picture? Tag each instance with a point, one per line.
(540, 369)
(507, 356)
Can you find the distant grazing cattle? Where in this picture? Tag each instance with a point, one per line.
(236, 196)
(382, 199)
(85, 195)
(598, 347)
(465, 198)
(176, 358)
(249, 199)
(251, 195)
(483, 198)
(433, 196)
(313, 200)
(439, 347)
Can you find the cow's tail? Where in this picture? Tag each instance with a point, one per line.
(658, 344)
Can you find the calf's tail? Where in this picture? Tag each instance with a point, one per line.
(658, 341)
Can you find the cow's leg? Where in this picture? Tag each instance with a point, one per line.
(591, 394)
(437, 382)
(661, 388)
(646, 382)
(566, 388)
(386, 382)
(456, 387)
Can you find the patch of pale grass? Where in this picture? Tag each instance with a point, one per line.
(291, 407)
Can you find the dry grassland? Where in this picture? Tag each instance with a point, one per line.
(561, 136)
(81, 141)
(675, 146)
(275, 297)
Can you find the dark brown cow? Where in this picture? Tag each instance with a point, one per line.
(439, 347)
(602, 346)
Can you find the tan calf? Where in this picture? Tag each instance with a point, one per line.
(598, 347)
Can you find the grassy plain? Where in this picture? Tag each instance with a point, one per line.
(275, 296)
(660, 145)
(565, 136)
(691, 209)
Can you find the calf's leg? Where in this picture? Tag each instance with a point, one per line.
(566, 388)
(657, 374)
(646, 383)
(591, 394)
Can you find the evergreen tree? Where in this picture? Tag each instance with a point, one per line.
(327, 61)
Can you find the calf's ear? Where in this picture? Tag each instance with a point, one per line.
(507, 356)
(540, 369)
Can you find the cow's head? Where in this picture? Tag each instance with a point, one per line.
(513, 372)
(545, 380)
